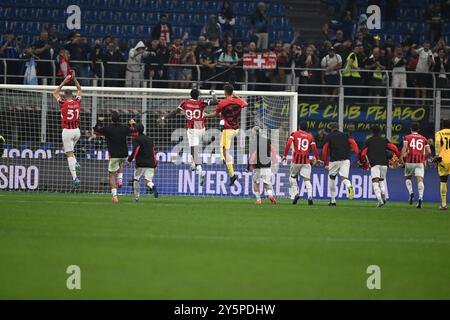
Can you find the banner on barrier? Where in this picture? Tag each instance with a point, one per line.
(53, 175)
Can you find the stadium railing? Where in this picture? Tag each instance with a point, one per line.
(436, 98)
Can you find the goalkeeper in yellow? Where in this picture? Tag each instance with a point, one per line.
(230, 112)
(442, 147)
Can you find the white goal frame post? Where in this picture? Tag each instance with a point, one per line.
(146, 94)
(276, 113)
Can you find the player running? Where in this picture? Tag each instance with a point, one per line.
(195, 123)
(230, 112)
(337, 145)
(374, 153)
(300, 164)
(263, 157)
(70, 107)
(415, 150)
(144, 153)
(442, 149)
(116, 138)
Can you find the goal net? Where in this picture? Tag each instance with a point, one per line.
(33, 158)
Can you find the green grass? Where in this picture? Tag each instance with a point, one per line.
(212, 248)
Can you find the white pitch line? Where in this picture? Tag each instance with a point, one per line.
(232, 238)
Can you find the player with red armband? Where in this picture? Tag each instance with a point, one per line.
(303, 142)
(70, 108)
(414, 152)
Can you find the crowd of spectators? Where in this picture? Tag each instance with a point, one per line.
(348, 50)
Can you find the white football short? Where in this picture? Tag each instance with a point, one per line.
(262, 174)
(114, 164)
(195, 136)
(303, 170)
(378, 172)
(341, 168)
(416, 169)
(146, 172)
(70, 138)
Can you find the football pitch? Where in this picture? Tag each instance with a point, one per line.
(219, 248)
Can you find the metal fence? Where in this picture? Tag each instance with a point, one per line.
(294, 79)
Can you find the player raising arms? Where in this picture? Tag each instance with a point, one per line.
(337, 145)
(144, 153)
(415, 149)
(442, 149)
(263, 157)
(230, 112)
(300, 164)
(70, 119)
(195, 122)
(116, 138)
(375, 154)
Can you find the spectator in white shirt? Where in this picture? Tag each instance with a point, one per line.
(424, 63)
(332, 62)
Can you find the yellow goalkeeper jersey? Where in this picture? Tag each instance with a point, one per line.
(442, 144)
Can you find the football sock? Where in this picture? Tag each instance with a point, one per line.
(408, 183)
(347, 183)
(308, 186)
(258, 195)
(150, 184)
(136, 188)
(294, 186)
(72, 163)
(444, 193)
(230, 168)
(377, 190)
(333, 190)
(421, 188)
(270, 192)
(382, 188)
(114, 192)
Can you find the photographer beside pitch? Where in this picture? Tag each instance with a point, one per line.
(116, 138)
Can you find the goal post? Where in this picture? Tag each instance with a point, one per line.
(30, 123)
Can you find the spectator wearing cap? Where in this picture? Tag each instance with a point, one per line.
(259, 23)
(376, 64)
(134, 74)
(332, 63)
(350, 74)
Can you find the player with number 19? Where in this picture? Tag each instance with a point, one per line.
(70, 107)
(303, 142)
(414, 151)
